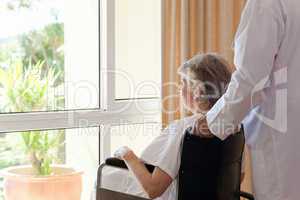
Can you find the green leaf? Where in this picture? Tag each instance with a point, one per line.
(26, 138)
(2, 77)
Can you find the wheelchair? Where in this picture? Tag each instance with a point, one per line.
(210, 170)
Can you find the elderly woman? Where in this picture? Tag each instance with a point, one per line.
(203, 80)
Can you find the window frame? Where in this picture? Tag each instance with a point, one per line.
(109, 112)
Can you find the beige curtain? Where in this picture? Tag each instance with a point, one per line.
(189, 27)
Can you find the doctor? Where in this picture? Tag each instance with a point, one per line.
(265, 92)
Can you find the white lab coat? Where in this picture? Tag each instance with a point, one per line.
(264, 93)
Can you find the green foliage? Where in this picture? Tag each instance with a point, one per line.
(30, 48)
(41, 148)
(10, 154)
(45, 44)
(28, 89)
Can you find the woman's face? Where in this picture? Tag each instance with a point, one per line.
(187, 95)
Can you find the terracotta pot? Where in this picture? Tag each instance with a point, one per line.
(21, 184)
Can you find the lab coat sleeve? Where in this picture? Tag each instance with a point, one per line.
(256, 45)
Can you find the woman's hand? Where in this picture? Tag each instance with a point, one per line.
(125, 154)
(122, 152)
(154, 184)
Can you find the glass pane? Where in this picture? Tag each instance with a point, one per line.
(44, 62)
(47, 153)
(138, 48)
(135, 136)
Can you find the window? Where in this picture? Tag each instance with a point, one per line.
(137, 41)
(62, 74)
(45, 48)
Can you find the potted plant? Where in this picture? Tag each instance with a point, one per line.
(29, 89)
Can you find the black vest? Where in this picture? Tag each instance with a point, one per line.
(210, 168)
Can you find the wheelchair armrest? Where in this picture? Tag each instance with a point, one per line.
(115, 162)
(246, 195)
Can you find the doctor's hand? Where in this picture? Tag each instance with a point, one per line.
(200, 128)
